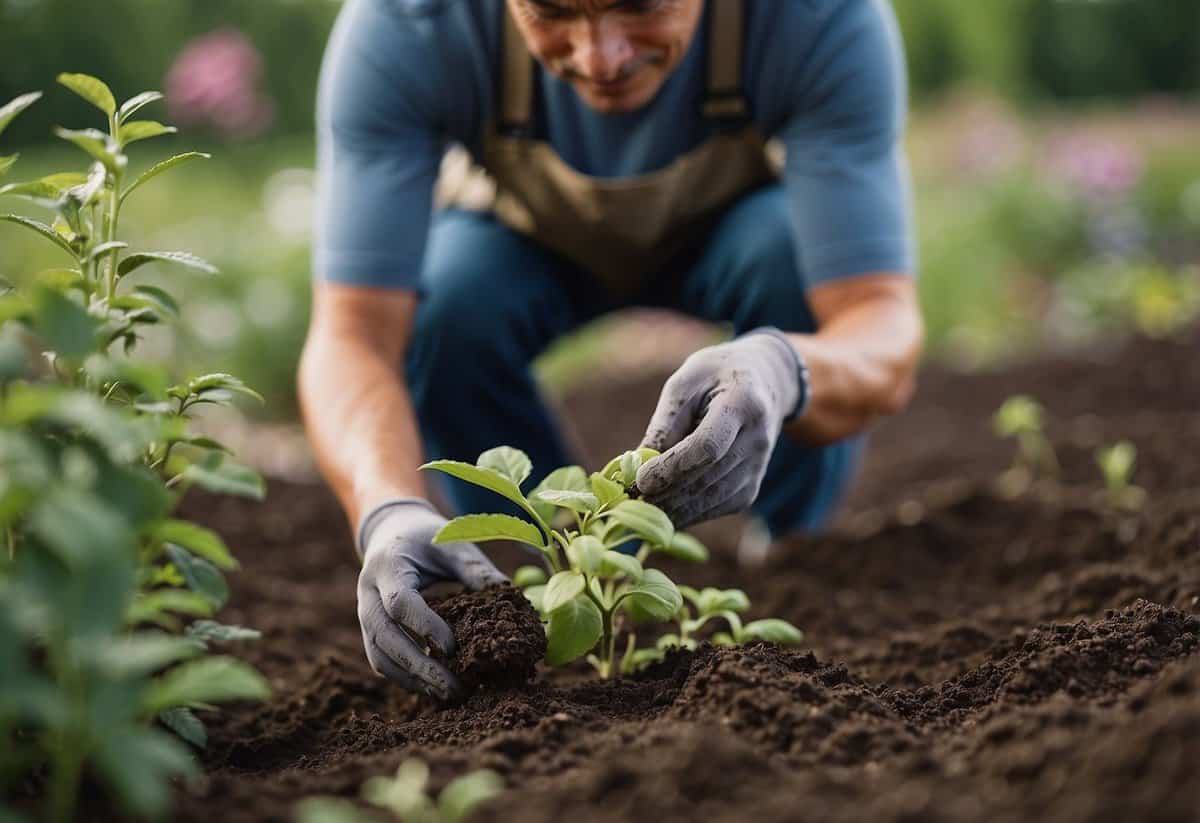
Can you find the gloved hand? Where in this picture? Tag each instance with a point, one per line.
(717, 421)
(395, 541)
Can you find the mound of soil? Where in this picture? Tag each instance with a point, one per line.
(968, 656)
(499, 636)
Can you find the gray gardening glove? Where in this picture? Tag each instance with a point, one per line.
(395, 541)
(716, 423)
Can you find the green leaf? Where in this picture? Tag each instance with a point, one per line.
(96, 143)
(208, 383)
(607, 491)
(536, 595)
(685, 547)
(218, 474)
(181, 258)
(6, 163)
(201, 576)
(136, 130)
(656, 595)
(92, 90)
(575, 501)
(196, 539)
(61, 280)
(586, 553)
(46, 191)
(510, 462)
(42, 229)
(563, 587)
(461, 795)
(162, 299)
(184, 723)
(138, 764)
(772, 630)
(15, 106)
(136, 102)
(207, 630)
(105, 248)
(567, 478)
(65, 325)
(208, 680)
(156, 606)
(78, 527)
(323, 809)
(478, 528)
(527, 576)
(142, 653)
(158, 168)
(712, 601)
(616, 563)
(487, 478)
(645, 520)
(574, 630)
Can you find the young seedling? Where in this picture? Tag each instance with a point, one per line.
(709, 604)
(1020, 417)
(406, 797)
(1116, 464)
(589, 584)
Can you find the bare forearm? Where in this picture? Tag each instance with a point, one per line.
(360, 422)
(862, 365)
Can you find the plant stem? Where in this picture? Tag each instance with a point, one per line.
(11, 539)
(68, 752)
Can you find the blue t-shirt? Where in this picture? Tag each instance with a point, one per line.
(401, 79)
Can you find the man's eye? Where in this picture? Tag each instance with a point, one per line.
(549, 11)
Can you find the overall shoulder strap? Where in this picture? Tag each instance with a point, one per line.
(724, 98)
(515, 89)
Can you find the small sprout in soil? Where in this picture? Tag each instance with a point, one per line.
(406, 797)
(727, 604)
(1020, 417)
(594, 583)
(1116, 464)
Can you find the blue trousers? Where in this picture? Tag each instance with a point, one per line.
(494, 299)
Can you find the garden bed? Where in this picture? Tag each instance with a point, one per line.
(968, 656)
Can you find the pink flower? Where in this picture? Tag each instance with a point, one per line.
(215, 82)
(1096, 164)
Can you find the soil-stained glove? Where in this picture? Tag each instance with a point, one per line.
(717, 421)
(395, 541)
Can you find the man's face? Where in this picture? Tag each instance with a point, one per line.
(615, 53)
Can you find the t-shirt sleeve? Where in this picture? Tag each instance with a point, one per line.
(379, 145)
(842, 123)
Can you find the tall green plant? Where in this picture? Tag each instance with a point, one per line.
(96, 449)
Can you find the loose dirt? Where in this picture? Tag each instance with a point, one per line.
(968, 656)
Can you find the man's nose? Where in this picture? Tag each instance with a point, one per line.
(601, 50)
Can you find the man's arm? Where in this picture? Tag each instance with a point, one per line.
(862, 362)
(353, 397)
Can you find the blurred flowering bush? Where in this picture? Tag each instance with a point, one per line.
(216, 82)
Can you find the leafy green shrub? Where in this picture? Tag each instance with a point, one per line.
(406, 797)
(96, 450)
(593, 587)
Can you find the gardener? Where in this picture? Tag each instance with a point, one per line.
(619, 159)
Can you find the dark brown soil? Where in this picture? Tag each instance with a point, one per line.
(499, 636)
(968, 657)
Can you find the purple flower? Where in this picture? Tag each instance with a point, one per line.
(1097, 165)
(215, 82)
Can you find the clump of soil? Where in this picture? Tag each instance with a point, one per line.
(499, 635)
